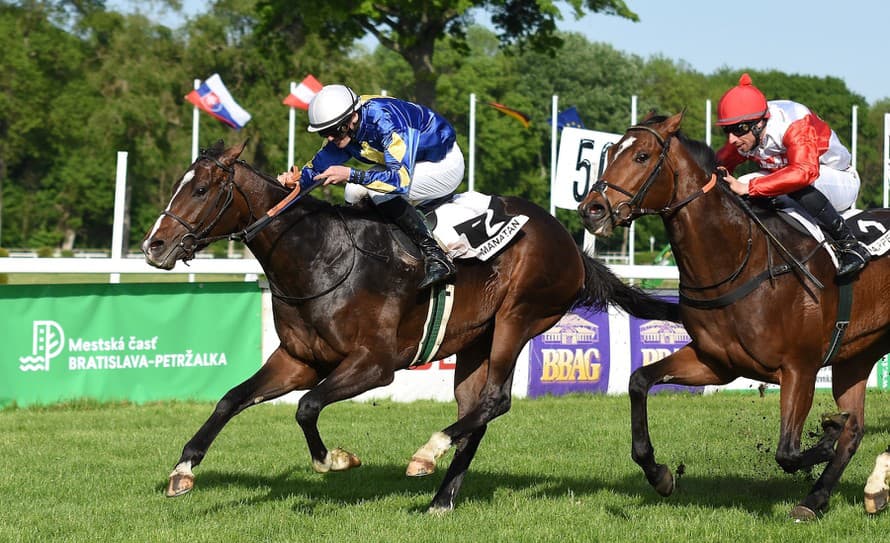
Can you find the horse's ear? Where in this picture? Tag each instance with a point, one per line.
(232, 153)
(649, 114)
(672, 124)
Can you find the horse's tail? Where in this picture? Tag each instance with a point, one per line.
(602, 287)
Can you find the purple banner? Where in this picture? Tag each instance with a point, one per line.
(573, 356)
(650, 341)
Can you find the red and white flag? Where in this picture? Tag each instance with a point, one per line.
(303, 94)
(213, 97)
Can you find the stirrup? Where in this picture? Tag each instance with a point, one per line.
(852, 259)
(445, 271)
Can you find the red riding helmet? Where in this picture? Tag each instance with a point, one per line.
(742, 103)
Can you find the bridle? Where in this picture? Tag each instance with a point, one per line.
(634, 210)
(628, 210)
(197, 235)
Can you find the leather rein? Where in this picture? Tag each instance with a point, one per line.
(634, 210)
(197, 236)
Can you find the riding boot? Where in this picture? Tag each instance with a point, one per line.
(852, 254)
(437, 265)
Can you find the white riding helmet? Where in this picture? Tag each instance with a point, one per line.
(331, 106)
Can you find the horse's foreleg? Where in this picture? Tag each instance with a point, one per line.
(357, 373)
(848, 388)
(681, 368)
(796, 400)
(279, 375)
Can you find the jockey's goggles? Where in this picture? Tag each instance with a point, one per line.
(336, 132)
(740, 129)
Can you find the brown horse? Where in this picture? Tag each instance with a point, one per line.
(749, 313)
(348, 314)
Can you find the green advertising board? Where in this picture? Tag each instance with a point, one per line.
(135, 342)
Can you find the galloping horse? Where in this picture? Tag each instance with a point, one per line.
(748, 313)
(348, 314)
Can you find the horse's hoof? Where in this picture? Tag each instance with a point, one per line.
(343, 460)
(876, 502)
(419, 467)
(834, 420)
(664, 484)
(802, 513)
(877, 491)
(180, 484)
(439, 511)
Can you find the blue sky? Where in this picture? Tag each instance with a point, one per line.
(843, 39)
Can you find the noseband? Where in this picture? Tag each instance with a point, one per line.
(628, 210)
(196, 236)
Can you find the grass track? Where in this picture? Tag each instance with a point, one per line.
(554, 469)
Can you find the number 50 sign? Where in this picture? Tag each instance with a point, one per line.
(581, 161)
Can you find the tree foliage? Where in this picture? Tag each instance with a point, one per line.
(82, 83)
(412, 30)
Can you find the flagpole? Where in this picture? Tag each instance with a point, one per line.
(708, 122)
(291, 129)
(554, 106)
(195, 122)
(471, 178)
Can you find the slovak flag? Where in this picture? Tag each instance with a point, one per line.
(213, 97)
(303, 94)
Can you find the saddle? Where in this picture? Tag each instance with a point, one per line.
(870, 227)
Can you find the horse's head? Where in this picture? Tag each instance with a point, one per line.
(200, 210)
(639, 178)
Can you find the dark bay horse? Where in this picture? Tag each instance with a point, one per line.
(348, 314)
(749, 312)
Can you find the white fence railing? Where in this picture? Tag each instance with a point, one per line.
(236, 266)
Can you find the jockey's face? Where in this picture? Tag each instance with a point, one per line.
(742, 135)
(341, 135)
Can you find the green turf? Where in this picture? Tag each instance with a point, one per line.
(554, 469)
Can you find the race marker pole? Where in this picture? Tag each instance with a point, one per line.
(471, 176)
(117, 232)
(554, 107)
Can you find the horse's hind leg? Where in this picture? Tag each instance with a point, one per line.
(469, 381)
(279, 375)
(681, 368)
(848, 387)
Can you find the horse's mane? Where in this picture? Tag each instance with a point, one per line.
(701, 152)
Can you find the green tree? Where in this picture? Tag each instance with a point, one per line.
(412, 29)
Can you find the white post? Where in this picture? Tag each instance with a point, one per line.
(195, 122)
(855, 129)
(471, 178)
(120, 194)
(886, 159)
(291, 129)
(708, 122)
(632, 234)
(553, 150)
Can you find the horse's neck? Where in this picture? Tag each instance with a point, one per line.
(710, 235)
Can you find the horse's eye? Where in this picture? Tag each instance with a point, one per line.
(201, 191)
(641, 157)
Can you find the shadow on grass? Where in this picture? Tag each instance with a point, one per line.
(370, 483)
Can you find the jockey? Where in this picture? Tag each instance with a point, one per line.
(799, 155)
(415, 154)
